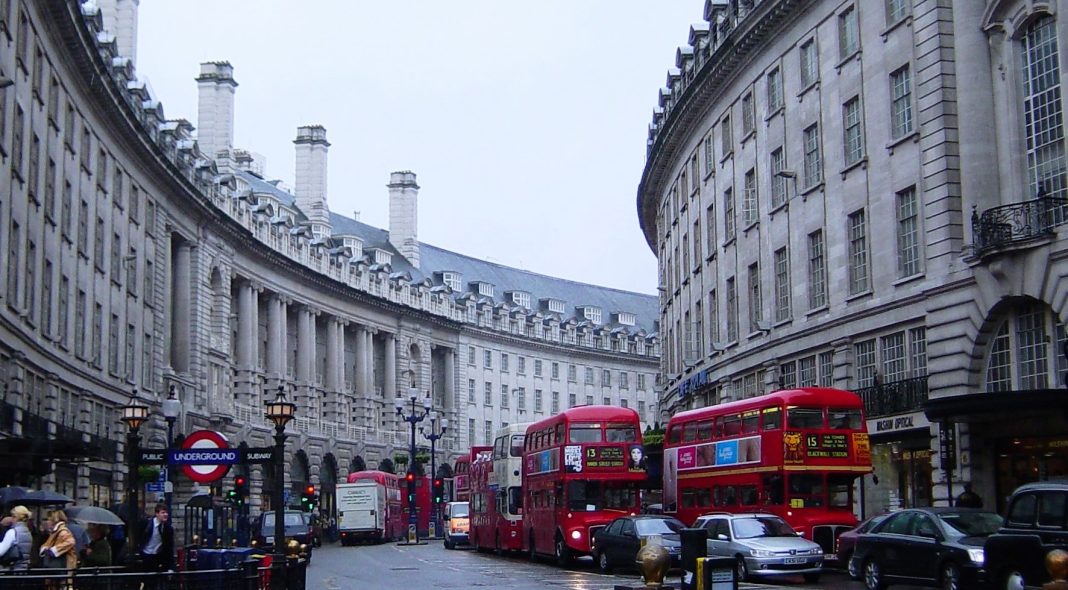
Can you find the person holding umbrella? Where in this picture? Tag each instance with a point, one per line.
(98, 553)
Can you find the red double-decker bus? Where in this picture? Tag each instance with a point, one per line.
(461, 473)
(581, 470)
(369, 507)
(497, 493)
(795, 453)
(422, 503)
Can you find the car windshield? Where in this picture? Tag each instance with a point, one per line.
(459, 510)
(658, 526)
(761, 526)
(971, 524)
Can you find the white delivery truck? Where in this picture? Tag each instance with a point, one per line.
(361, 512)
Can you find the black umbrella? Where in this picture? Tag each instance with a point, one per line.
(12, 494)
(45, 498)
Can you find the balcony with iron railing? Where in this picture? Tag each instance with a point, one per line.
(1017, 223)
(897, 397)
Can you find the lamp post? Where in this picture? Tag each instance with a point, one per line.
(280, 412)
(434, 436)
(134, 415)
(172, 408)
(413, 418)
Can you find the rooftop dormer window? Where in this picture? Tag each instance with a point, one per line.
(452, 279)
(355, 245)
(320, 231)
(521, 298)
(626, 318)
(554, 305)
(591, 313)
(383, 257)
(484, 289)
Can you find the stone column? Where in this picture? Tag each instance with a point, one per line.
(183, 313)
(246, 326)
(389, 388)
(359, 379)
(331, 379)
(305, 369)
(369, 350)
(450, 379)
(276, 336)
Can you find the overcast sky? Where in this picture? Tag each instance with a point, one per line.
(525, 122)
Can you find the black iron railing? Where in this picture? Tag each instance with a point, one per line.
(1018, 222)
(898, 397)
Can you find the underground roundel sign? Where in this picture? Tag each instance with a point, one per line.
(205, 456)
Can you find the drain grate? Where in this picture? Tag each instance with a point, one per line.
(403, 569)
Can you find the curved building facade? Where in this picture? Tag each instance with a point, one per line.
(140, 259)
(872, 196)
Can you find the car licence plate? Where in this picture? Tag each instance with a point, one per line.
(270, 539)
(794, 560)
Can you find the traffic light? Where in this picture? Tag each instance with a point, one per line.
(439, 490)
(308, 499)
(241, 487)
(410, 478)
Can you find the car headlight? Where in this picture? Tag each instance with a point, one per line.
(817, 550)
(760, 553)
(976, 555)
(576, 535)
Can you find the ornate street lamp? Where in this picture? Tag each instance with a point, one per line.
(413, 418)
(134, 414)
(172, 408)
(434, 436)
(280, 412)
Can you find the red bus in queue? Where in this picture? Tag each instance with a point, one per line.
(581, 470)
(497, 493)
(461, 473)
(795, 453)
(370, 508)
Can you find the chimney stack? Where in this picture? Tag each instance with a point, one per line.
(310, 188)
(215, 119)
(120, 18)
(404, 215)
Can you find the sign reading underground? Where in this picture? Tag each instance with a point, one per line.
(205, 456)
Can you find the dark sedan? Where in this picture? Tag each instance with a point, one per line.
(939, 547)
(297, 527)
(617, 544)
(847, 542)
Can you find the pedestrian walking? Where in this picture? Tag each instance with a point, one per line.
(968, 498)
(17, 541)
(58, 550)
(157, 542)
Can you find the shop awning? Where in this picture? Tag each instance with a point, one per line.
(987, 406)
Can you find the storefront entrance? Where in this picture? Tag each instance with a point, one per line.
(1022, 460)
(903, 469)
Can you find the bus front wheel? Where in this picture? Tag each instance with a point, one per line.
(563, 552)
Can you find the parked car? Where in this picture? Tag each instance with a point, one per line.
(847, 542)
(762, 545)
(297, 526)
(1035, 524)
(617, 544)
(457, 524)
(939, 547)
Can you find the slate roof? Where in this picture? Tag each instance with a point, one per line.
(503, 278)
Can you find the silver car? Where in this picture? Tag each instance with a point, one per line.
(762, 545)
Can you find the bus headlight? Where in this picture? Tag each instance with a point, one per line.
(576, 535)
(976, 555)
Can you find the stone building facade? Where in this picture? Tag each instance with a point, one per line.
(140, 258)
(872, 196)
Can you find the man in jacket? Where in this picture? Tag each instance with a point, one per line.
(157, 542)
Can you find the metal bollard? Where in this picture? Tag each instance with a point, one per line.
(694, 546)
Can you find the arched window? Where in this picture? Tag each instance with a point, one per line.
(1043, 121)
(1023, 355)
